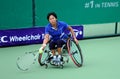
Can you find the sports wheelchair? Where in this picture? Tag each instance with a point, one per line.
(69, 49)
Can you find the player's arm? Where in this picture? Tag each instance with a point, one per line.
(46, 38)
(73, 34)
(45, 41)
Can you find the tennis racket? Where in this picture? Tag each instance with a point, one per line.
(28, 59)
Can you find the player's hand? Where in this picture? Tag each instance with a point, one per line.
(42, 48)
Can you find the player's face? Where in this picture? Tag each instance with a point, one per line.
(52, 19)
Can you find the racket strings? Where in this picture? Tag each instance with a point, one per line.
(24, 62)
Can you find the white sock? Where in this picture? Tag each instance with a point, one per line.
(59, 57)
(54, 57)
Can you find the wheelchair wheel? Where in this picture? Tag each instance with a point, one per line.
(75, 52)
(42, 58)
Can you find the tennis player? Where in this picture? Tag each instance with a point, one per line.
(54, 32)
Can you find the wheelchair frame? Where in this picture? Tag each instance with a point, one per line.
(67, 50)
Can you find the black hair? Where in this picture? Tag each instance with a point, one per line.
(51, 13)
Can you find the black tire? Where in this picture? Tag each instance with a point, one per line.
(46, 66)
(75, 52)
(42, 58)
(39, 60)
(61, 66)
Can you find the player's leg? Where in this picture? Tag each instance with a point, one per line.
(52, 47)
(60, 43)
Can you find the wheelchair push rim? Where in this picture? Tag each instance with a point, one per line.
(43, 57)
(75, 52)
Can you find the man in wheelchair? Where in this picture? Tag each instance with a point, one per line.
(54, 34)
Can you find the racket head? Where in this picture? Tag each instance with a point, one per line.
(24, 62)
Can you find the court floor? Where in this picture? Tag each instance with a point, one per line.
(101, 61)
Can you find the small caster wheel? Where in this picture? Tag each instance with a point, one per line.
(46, 66)
(61, 66)
(67, 60)
(63, 62)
